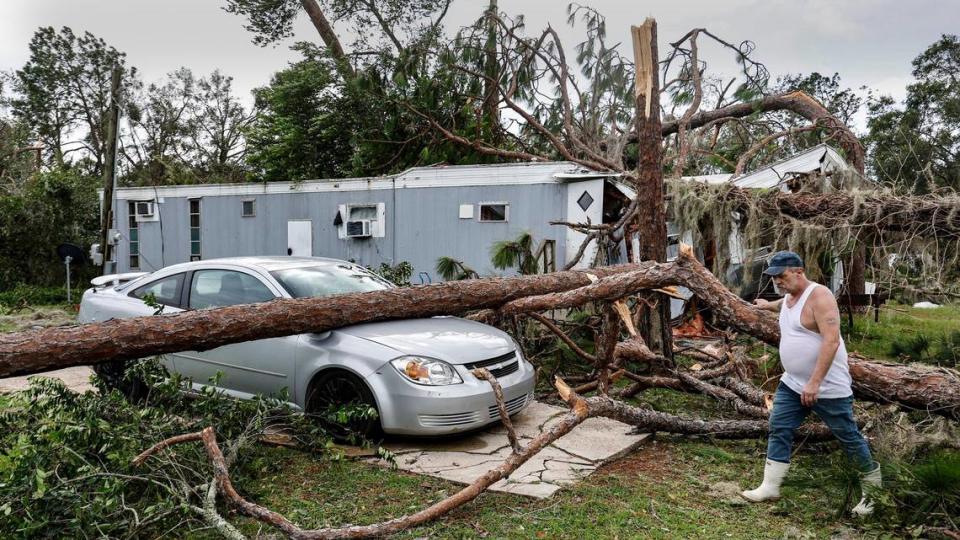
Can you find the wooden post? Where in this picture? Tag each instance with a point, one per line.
(110, 168)
(652, 218)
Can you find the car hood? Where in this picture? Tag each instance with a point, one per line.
(451, 339)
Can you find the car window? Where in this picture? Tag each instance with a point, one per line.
(218, 288)
(166, 291)
(328, 280)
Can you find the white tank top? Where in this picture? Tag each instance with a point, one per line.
(799, 348)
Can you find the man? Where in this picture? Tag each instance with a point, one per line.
(815, 378)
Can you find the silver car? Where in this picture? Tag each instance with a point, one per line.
(416, 372)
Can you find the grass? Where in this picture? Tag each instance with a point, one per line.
(673, 488)
(14, 320)
(897, 322)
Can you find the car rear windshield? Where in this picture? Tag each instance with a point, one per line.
(328, 280)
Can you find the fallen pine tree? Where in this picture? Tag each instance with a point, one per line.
(918, 387)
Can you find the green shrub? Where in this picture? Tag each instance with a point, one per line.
(65, 458)
(924, 492)
(948, 353)
(28, 295)
(943, 351)
(911, 348)
(54, 207)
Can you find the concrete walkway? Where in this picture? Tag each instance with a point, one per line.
(566, 461)
(76, 379)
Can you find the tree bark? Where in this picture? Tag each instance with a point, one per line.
(796, 102)
(934, 389)
(329, 37)
(199, 330)
(491, 71)
(652, 217)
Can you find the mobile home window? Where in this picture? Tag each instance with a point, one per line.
(248, 208)
(494, 212)
(195, 229)
(133, 234)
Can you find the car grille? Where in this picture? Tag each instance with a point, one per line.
(447, 420)
(513, 406)
(461, 419)
(501, 371)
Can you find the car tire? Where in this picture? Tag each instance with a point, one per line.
(335, 388)
(112, 374)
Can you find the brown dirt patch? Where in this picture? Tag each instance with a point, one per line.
(654, 460)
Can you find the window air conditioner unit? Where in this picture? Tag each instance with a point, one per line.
(360, 228)
(144, 208)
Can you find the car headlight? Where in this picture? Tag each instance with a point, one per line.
(426, 370)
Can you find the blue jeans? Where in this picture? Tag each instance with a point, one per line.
(788, 413)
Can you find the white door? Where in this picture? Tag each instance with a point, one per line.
(584, 204)
(300, 238)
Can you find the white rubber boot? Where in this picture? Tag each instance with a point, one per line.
(773, 475)
(868, 481)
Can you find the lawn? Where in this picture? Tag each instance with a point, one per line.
(898, 323)
(671, 488)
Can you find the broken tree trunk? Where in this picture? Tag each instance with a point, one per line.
(651, 220)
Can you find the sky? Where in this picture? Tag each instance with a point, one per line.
(869, 42)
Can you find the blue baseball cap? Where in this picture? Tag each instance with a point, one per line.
(782, 260)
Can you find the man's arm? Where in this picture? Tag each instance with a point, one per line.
(827, 316)
(769, 306)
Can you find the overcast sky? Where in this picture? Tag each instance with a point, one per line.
(869, 42)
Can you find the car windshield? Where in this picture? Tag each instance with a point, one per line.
(328, 280)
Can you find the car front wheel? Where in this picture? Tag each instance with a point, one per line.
(113, 375)
(344, 406)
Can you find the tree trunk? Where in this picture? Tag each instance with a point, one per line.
(329, 37)
(491, 71)
(652, 217)
(199, 330)
(856, 275)
(934, 389)
(796, 102)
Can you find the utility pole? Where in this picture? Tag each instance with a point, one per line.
(652, 219)
(110, 172)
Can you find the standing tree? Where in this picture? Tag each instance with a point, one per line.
(216, 128)
(917, 147)
(154, 148)
(64, 93)
(18, 156)
(395, 61)
(304, 126)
